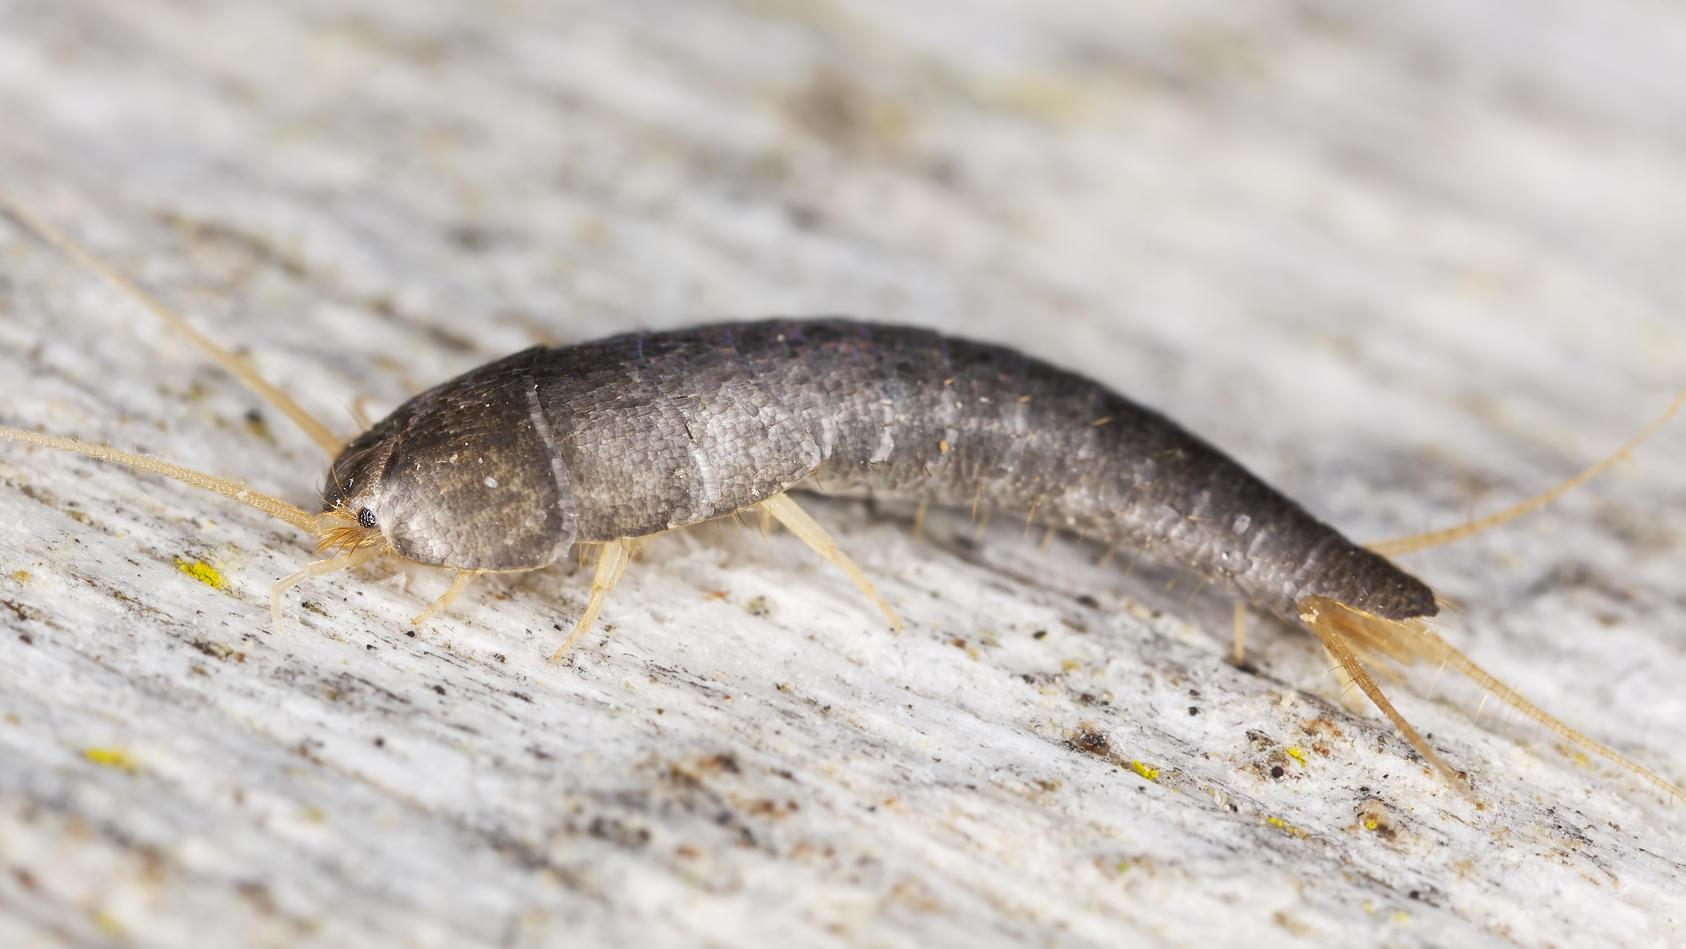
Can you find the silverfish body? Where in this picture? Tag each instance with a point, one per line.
(507, 466)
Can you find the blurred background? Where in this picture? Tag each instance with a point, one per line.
(1406, 261)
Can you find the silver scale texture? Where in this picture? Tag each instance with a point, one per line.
(508, 465)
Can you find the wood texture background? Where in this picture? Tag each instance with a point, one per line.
(1407, 263)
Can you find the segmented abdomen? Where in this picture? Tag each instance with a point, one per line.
(709, 420)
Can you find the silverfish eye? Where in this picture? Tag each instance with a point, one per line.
(366, 518)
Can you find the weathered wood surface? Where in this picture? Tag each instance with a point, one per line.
(1409, 263)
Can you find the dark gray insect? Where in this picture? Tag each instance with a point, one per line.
(509, 466)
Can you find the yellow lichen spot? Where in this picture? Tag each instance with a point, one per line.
(112, 758)
(1150, 773)
(1295, 754)
(21, 576)
(1281, 825)
(108, 924)
(1070, 665)
(1046, 98)
(942, 446)
(1121, 867)
(1370, 823)
(203, 572)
